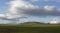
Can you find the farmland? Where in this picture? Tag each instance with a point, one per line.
(42, 28)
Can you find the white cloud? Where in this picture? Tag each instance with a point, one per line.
(16, 7)
(2, 15)
(21, 8)
(50, 8)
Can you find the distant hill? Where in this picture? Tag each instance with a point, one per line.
(33, 23)
(25, 23)
(28, 24)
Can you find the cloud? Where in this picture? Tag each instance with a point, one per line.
(57, 0)
(21, 8)
(50, 8)
(34, 0)
(17, 7)
(40, 0)
(45, 0)
(37, 11)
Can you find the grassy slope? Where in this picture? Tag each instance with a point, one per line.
(42, 28)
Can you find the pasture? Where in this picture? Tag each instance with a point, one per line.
(42, 28)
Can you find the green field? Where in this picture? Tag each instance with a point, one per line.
(42, 28)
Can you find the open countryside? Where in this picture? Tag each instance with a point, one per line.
(30, 27)
(29, 16)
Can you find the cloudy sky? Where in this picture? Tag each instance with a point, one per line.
(12, 11)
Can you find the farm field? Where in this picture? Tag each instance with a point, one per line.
(42, 28)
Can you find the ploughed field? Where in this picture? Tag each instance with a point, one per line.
(42, 28)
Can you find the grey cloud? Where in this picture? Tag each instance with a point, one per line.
(57, 0)
(20, 8)
(40, 12)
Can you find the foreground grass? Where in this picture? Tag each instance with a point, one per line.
(30, 29)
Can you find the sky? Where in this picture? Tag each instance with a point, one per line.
(18, 11)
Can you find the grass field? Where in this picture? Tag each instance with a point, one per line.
(43, 28)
